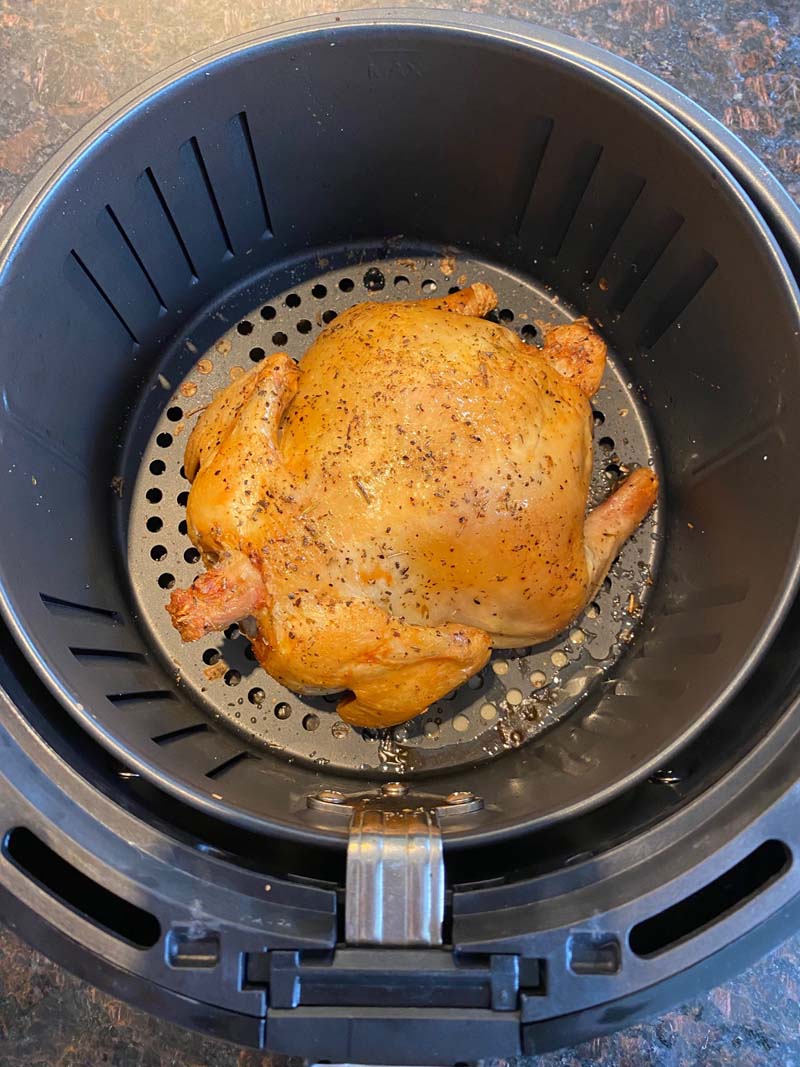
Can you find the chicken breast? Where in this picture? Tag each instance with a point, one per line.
(411, 495)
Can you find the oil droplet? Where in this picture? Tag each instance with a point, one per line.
(575, 686)
(514, 697)
(559, 659)
(500, 666)
(577, 636)
(538, 679)
(205, 366)
(488, 712)
(592, 611)
(223, 346)
(340, 730)
(431, 730)
(188, 389)
(460, 723)
(236, 372)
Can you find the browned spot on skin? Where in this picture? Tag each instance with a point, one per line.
(205, 366)
(216, 670)
(236, 372)
(376, 574)
(188, 389)
(223, 346)
(18, 150)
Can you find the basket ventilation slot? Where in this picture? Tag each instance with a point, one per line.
(148, 172)
(687, 285)
(561, 182)
(178, 735)
(144, 697)
(230, 764)
(137, 258)
(607, 206)
(192, 148)
(66, 608)
(660, 235)
(77, 891)
(240, 121)
(98, 288)
(713, 902)
(90, 655)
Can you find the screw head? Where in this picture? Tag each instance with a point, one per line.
(464, 797)
(394, 789)
(330, 796)
(665, 776)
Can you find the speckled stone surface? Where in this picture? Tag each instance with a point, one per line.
(61, 61)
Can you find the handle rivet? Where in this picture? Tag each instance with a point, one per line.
(394, 789)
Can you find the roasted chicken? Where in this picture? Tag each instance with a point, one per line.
(410, 496)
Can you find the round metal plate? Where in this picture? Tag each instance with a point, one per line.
(521, 693)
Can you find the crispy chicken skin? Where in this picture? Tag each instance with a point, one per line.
(410, 496)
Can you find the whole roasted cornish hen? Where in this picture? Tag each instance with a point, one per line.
(411, 495)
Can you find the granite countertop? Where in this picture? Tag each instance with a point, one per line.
(61, 61)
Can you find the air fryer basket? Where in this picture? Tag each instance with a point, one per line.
(160, 845)
(301, 161)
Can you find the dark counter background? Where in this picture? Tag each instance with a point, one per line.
(61, 61)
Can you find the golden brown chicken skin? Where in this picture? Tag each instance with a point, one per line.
(410, 496)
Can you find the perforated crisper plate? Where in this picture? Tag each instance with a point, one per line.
(520, 693)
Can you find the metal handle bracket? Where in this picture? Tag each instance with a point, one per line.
(395, 878)
(395, 862)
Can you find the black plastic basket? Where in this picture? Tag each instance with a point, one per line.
(208, 207)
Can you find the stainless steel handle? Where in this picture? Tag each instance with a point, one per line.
(395, 861)
(395, 878)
